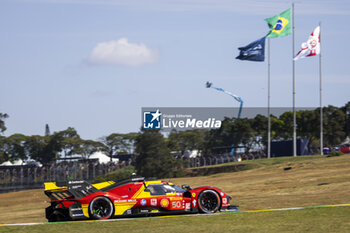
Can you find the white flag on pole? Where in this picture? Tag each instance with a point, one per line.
(312, 47)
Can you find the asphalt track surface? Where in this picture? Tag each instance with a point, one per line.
(177, 216)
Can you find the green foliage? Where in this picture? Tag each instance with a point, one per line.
(3, 153)
(3, 116)
(13, 147)
(41, 148)
(118, 174)
(232, 132)
(186, 140)
(346, 110)
(87, 147)
(247, 131)
(119, 143)
(334, 122)
(334, 153)
(46, 149)
(153, 156)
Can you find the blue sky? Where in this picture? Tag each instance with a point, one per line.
(92, 64)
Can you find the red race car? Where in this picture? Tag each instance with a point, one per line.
(78, 200)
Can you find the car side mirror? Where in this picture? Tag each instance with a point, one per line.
(186, 187)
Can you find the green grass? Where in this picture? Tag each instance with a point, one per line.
(274, 161)
(308, 220)
(268, 186)
(247, 165)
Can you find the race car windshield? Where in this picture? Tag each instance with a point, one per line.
(160, 189)
(178, 189)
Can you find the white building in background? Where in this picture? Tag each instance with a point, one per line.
(102, 158)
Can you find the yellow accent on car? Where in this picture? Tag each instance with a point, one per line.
(103, 184)
(51, 186)
(85, 208)
(121, 207)
(142, 194)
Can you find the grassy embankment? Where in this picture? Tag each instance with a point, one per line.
(263, 184)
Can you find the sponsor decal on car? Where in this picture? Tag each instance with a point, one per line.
(77, 215)
(193, 195)
(224, 200)
(188, 206)
(118, 201)
(194, 202)
(176, 205)
(76, 209)
(153, 202)
(143, 202)
(164, 203)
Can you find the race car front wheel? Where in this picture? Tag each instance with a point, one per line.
(209, 201)
(101, 208)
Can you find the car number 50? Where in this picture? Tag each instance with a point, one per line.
(176, 204)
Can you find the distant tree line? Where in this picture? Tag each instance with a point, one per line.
(252, 131)
(63, 144)
(152, 150)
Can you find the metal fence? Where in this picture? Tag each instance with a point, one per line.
(23, 177)
(14, 178)
(219, 159)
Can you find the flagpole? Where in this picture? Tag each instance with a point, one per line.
(321, 111)
(268, 103)
(294, 112)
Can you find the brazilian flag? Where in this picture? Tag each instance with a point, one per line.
(280, 25)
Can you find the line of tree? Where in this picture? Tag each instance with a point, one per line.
(63, 144)
(153, 151)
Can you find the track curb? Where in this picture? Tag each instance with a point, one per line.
(189, 215)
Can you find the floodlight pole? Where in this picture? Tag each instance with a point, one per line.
(268, 104)
(294, 112)
(321, 110)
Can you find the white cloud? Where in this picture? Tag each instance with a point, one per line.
(121, 52)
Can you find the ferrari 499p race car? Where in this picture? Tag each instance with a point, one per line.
(79, 200)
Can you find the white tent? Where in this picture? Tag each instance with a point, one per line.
(192, 154)
(102, 158)
(7, 163)
(346, 141)
(18, 162)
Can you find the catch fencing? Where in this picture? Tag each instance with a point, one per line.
(14, 178)
(219, 159)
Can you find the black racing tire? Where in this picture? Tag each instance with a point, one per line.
(209, 201)
(101, 208)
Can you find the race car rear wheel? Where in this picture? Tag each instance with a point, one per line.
(209, 201)
(101, 208)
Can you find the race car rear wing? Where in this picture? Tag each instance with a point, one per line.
(72, 189)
